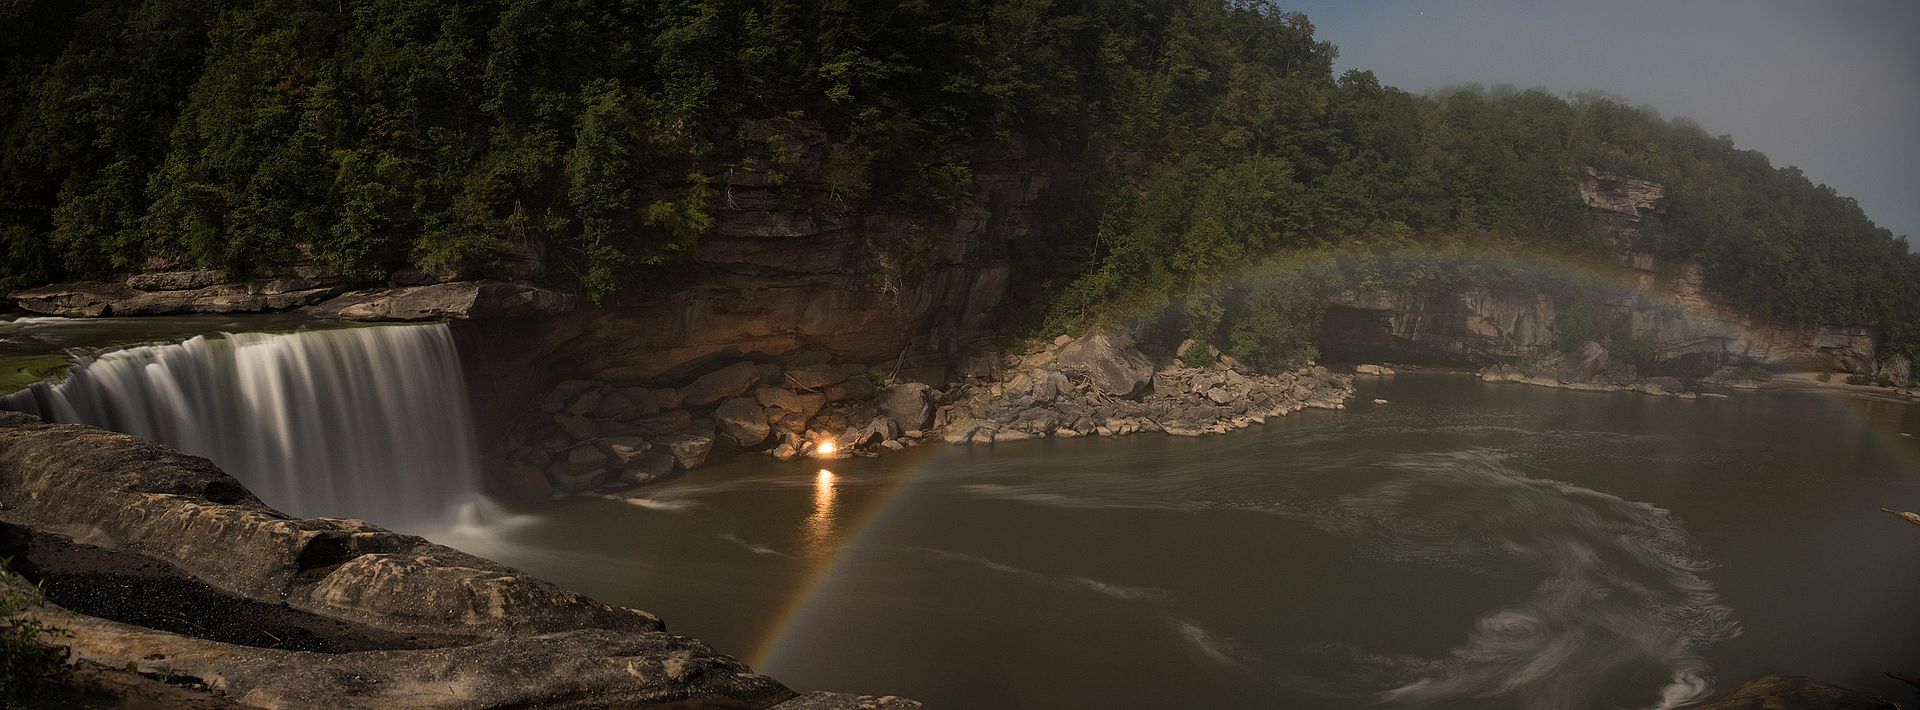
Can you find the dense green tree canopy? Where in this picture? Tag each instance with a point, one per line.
(1197, 137)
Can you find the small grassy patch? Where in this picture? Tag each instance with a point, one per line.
(29, 667)
(19, 371)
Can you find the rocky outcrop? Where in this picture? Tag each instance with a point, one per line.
(602, 438)
(590, 436)
(1693, 332)
(1098, 386)
(787, 268)
(159, 562)
(1628, 205)
(1776, 692)
(172, 292)
(1111, 366)
(442, 301)
(176, 292)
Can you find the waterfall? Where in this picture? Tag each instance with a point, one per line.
(367, 422)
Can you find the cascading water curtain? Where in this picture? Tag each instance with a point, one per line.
(368, 423)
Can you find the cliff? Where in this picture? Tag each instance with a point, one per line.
(1692, 331)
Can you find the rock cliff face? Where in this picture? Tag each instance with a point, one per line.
(771, 280)
(1692, 331)
(159, 563)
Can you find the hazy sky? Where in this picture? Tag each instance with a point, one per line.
(1831, 86)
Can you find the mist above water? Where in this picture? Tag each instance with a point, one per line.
(369, 423)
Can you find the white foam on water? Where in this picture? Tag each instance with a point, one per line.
(1620, 590)
(1215, 647)
(753, 547)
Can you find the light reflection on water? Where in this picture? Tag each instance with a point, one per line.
(1418, 555)
(820, 524)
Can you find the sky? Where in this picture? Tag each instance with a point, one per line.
(1830, 86)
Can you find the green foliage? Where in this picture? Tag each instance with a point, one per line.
(1189, 142)
(1824, 376)
(1859, 378)
(1751, 374)
(29, 668)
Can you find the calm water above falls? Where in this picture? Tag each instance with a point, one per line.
(1467, 545)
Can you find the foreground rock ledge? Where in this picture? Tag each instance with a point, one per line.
(149, 556)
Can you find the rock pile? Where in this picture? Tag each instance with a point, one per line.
(1100, 386)
(1589, 369)
(588, 435)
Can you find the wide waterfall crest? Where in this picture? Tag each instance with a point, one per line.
(368, 422)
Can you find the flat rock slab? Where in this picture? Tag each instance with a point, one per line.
(384, 619)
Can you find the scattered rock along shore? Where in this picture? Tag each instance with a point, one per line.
(1591, 368)
(158, 564)
(587, 437)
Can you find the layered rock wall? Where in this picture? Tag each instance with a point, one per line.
(1693, 332)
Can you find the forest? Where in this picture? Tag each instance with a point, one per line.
(1197, 139)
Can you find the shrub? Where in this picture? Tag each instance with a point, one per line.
(1859, 379)
(1824, 377)
(28, 666)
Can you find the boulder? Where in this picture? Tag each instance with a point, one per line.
(813, 377)
(622, 450)
(1662, 385)
(649, 467)
(689, 450)
(664, 423)
(744, 419)
(882, 428)
(566, 391)
(853, 388)
(460, 299)
(730, 381)
(528, 483)
(1583, 363)
(586, 403)
(1109, 360)
(805, 404)
(1049, 385)
(614, 405)
(582, 459)
(909, 403)
(576, 426)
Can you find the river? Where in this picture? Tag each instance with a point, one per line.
(1466, 545)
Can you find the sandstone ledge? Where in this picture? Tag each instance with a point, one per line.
(337, 612)
(171, 293)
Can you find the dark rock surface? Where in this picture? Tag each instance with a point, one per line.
(1797, 693)
(157, 561)
(460, 299)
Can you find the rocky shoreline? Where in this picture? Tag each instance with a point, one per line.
(158, 564)
(1592, 368)
(598, 437)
